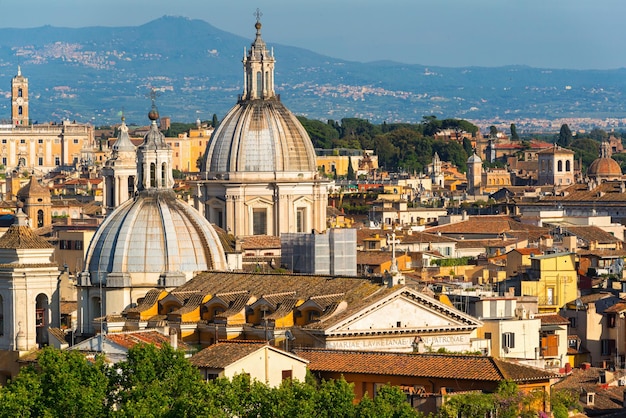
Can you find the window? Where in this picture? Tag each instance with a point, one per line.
(301, 220)
(22, 141)
(57, 161)
(40, 141)
(607, 346)
(76, 141)
(20, 111)
(4, 161)
(487, 335)
(65, 244)
(568, 166)
(559, 166)
(287, 374)
(259, 221)
(508, 340)
(572, 322)
(40, 160)
(610, 320)
(40, 319)
(4, 141)
(78, 245)
(20, 92)
(40, 218)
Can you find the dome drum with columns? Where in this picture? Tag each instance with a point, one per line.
(152, 240)
(259, 171)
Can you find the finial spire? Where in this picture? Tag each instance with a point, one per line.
(19, 70)
(153, 115)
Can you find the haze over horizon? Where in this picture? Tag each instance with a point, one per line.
(574, 34)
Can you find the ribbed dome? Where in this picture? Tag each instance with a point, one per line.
(154, 233)
(604, 168)
(260, 136)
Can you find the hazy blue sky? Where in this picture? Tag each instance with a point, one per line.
(541, 33)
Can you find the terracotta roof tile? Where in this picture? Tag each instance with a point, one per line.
(131, 339)
(552, 319)
(423, 365)
(223, 354)
(255, 242)
(22, 237)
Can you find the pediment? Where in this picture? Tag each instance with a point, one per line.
(405, 310)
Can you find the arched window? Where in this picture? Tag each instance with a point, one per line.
(20, 92)
(39, 218)
(559, 166)
(259, 85)
(131, 186)
(163, 174)
(42, 318)
(568, 166)
(19, 110)
(152, 175)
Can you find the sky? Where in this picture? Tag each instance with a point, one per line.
(574, 34)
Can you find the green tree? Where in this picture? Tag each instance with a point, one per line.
(493, 132)
(215, 121)
(151, 381)
(63, 384)
(351, 173)
(598, 134)
(514, 135)
(565, 136)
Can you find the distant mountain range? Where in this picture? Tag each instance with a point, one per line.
(92, 74)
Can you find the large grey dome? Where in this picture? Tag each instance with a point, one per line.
(260, 136)
(154, 233)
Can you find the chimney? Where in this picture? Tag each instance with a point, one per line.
(174, 338)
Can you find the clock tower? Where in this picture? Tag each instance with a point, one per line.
(19, 99)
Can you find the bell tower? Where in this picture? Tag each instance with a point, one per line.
(19, 99)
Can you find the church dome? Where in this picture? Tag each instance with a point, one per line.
(259, 134)
(604, 168)
(154, 233)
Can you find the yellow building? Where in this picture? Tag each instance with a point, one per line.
(188, 148)
(337, 160)
(553, 279)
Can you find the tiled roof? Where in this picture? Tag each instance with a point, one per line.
(605, 192)
(527, 251)
(608, 398)
(486, 224)
(131, 339)
(592, 233)
(617, 308)
(57, 333)
(443, 366)
(484, 243)
(223, 354)
(33, 188)
(422, 237)
(148, 301)
(552, 319)
(67, 307)
(358, 291)
(373, 258)
(255, 242)
(22, 237)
